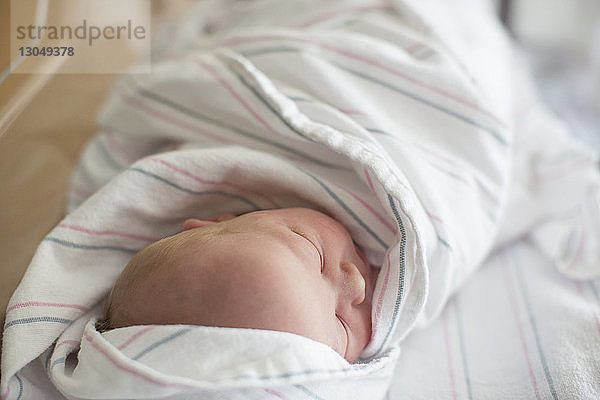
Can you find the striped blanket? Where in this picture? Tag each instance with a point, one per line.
(400, 120)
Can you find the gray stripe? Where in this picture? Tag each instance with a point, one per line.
(161, 342)
(451, 174)
(438, 107)
(30, 320)
(402, 266)
(194, 192)
(445, 243)
(191, 113)
(347, 209)
(106, 155)
(49, 356)
(269, 106)
(20, 387)
(534, 327)
(67, 243)
(594, 287)
(373, 130)
(300, 99)
(397, 89)
(468, 183)
(60, 360)
(310, 394)
(463, 350)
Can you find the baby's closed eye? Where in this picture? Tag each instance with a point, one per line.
(312, 243)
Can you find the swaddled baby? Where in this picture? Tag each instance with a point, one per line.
(280, 106)
(295, 270)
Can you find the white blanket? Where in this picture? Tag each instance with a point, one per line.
(386, 115)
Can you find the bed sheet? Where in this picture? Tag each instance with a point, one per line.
(517, 330)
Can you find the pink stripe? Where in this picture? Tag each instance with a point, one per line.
(352, 112)
(276, 394)
(434, 217)
(338, 13)
(282, 88)
(560, 171)
(79, 191)
(125, 368)
(422, 26)
(453, 163)
(237, 97)
(380, 299)
(43, 304)
(5, 394)
(135, 336)
(580, 291)
(118, 148)
(369, 182)
(143, 107)
(449, 355)
(510, 286)
(349, 54)
(110, 233)
(73, 342)
(371, 209)
(485, 191)
(210, 182)
(414, 48)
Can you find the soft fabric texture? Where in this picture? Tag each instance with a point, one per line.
(388, 116)
(518, 329)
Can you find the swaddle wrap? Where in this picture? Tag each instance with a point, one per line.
(358, 109)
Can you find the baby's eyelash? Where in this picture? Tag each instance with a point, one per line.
(320, 256)
(318, 252)
(321, 261)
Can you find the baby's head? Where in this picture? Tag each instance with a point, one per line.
(292, 270)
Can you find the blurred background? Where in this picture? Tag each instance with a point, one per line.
(45, 119)
(561, 41)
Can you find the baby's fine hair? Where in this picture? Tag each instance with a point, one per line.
(163, 252)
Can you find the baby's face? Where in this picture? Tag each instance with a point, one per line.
(293, 270)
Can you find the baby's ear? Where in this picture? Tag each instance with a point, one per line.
(193, 223)
(223, 217)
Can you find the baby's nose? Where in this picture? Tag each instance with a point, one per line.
(353, 283)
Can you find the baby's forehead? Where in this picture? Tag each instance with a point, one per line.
(294, 216)
(261, 225)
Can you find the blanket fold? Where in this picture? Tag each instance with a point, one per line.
(392, 138)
